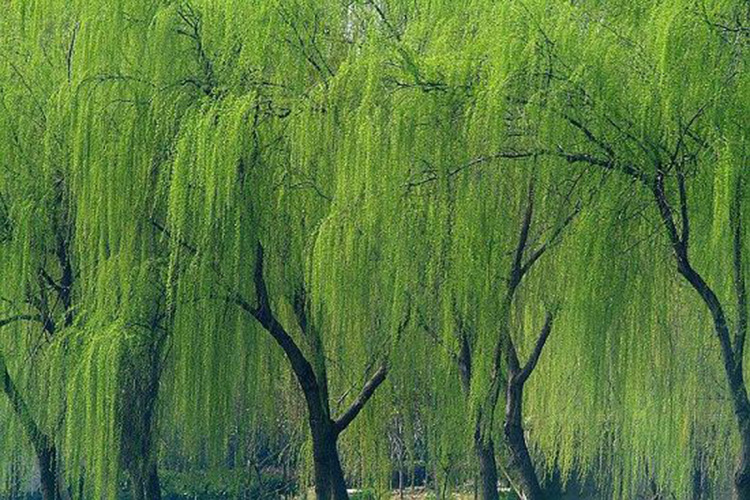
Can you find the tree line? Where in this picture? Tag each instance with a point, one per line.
(371, 242)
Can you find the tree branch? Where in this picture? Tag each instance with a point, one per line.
(684, 215)
(264, 315)
(537, 352)
(551, 241)
(341, 423)
(516, 271)
(20, 317)
(369, 388)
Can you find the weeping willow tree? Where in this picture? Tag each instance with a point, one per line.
(648, 113)
(220, 216)
(38, 289)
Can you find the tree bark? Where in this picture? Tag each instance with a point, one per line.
(329, 476)
(519, 464)
(742, 472)
(47, 461)
(487, 469)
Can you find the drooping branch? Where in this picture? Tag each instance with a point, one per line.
(531, 363)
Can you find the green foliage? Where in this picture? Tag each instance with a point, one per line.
(381, 153)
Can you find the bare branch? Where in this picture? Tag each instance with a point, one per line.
(537, 352)
(554, 238)
(516, 271)
(368, 390)
(264, 315)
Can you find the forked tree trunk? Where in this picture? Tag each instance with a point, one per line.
(329, 476)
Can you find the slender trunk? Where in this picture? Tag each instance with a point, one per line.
(47, 461)
(138, 433)
(731, 350)
(485, 451)
(732, 369)
(742, 473)
(153, 485)
(519, 463)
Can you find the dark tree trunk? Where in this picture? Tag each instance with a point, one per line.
(47, 461)
(153, 485)
(144, 484)
(485, 451)
(484, 448)
(519, 459)
(138, 407)
(329, 477)
(742, 473)
(733, 367)
(45, 451)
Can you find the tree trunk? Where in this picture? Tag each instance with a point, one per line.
(140, 391)
(742, 473)
(153, 485)
(519, 463)
(45, 451)
(47, 461)
(144, 484)
(329, 477)
(485, 451)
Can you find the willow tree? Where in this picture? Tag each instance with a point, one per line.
(257, 207)
(652, 113)
(37, 262)
(506, 378)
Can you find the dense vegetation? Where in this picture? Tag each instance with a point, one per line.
(252, 249)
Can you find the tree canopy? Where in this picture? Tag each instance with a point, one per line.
(365, 238)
